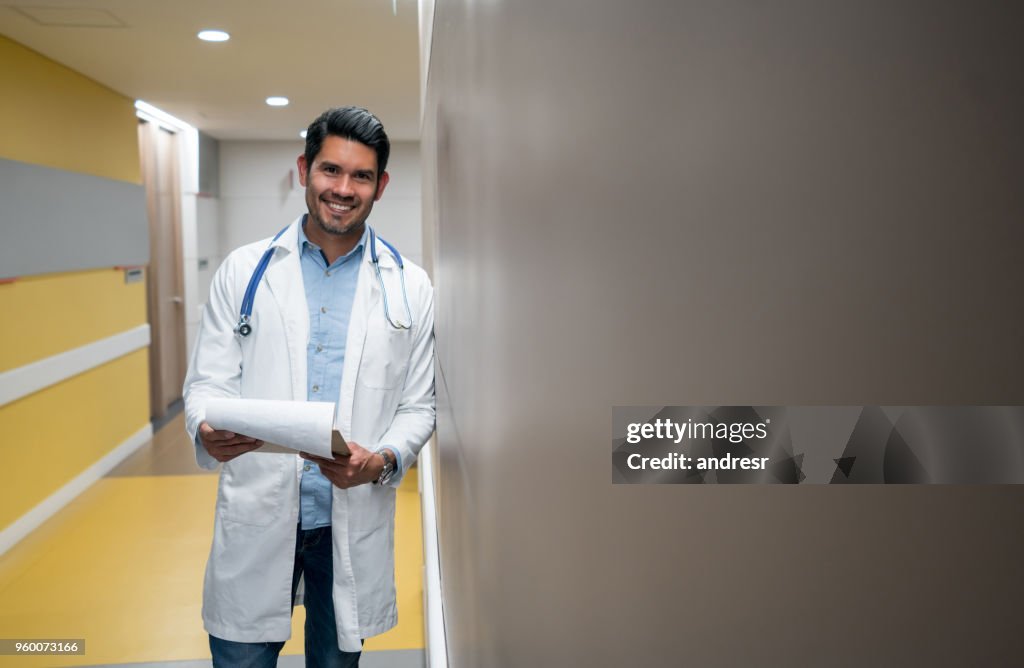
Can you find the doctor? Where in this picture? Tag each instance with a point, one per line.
(337, 315)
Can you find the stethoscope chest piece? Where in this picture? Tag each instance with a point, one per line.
(243, 328)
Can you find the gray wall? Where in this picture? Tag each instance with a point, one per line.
(209, 165)
(55, 220)
(714, 203)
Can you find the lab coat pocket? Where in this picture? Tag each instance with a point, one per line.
(385, 357)
(250, 488)
(370, 508)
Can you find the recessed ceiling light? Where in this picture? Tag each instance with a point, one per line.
(303, 134)
(277, 101)
(213, 36)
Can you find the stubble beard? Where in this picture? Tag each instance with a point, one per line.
(340, 230)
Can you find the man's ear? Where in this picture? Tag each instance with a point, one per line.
(382, 183)
(303, 170)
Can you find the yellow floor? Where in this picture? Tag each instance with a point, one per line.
(122, 566)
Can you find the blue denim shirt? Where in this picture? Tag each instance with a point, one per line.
(330, 291)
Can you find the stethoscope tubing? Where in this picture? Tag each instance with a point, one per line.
(244, 326)
(380, 279)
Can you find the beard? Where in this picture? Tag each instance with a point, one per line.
(330, 225)
(339, 229)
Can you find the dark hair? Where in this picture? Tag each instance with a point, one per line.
(353, 123)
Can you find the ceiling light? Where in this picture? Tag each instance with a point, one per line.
(303, 134)
(213, 36)
(277, 101)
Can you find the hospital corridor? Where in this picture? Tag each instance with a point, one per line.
(530, 333)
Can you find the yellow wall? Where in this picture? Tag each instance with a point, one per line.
(58, 312)
(51, 436)
(55, 117)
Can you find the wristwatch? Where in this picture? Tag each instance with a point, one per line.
(389, 467)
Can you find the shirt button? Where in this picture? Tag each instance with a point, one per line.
(316, 388)
(319, 348)
(327, 273)
(306, 467)
(323, 309)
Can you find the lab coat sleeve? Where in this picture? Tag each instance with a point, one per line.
(216, 364)
(414, 419)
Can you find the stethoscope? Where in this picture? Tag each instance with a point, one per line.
(244, 326)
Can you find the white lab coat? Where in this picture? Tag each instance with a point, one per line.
(387, 398)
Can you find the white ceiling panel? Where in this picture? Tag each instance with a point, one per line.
(317, 53)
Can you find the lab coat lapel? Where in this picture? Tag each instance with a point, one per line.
(284, 278)
(345, 603)
(367, 299)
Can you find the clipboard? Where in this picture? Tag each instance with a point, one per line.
(338, 447)
(338, 444)
(285, 427)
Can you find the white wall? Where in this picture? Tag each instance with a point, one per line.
(397, 216)
(208, 251)
(194, 295)
(260, 194)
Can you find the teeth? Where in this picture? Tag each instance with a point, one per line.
(341, 208)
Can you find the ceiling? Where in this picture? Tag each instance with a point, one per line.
(317, 53)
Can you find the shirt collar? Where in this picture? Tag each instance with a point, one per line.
(305, 244)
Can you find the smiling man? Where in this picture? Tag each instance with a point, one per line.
(337, 315)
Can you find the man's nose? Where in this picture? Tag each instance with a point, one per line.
(343, 186)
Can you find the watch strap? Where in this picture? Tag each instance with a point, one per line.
(389, 466)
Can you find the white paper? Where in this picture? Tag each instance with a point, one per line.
(283, 426)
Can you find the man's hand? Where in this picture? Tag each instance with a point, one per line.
(225, 445)
(345, 471)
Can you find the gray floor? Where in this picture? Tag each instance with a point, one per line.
(397, 658)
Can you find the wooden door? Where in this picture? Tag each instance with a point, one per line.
(159, 149)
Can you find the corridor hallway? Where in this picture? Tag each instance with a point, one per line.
(122, 568)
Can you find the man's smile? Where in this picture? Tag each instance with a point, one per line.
(338, 207)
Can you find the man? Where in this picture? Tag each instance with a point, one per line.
(332, 319)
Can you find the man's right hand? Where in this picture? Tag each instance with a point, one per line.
(225, 445)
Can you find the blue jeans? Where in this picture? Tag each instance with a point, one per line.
(314, 558)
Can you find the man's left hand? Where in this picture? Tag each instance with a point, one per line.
(345, 471)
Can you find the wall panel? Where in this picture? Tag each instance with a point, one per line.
(80, 307)
(57, 221)
(72, 210)
(55, 117)
(51, 436)
(719, 203)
